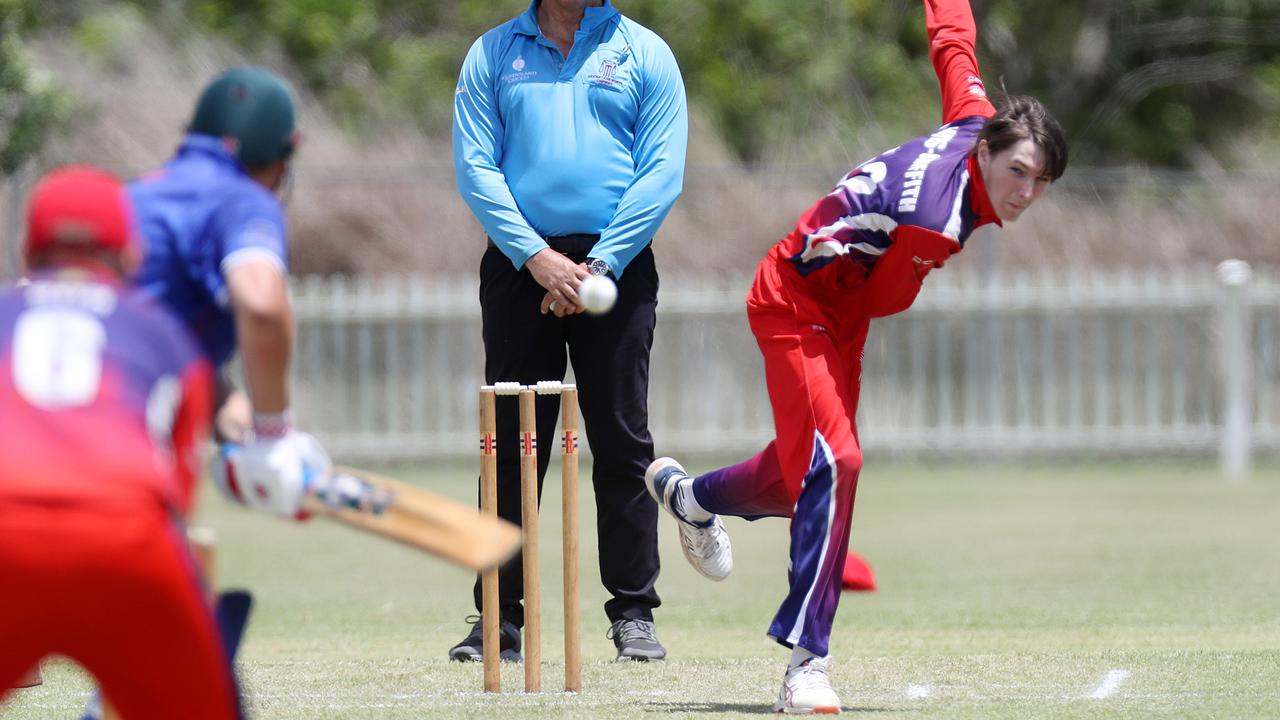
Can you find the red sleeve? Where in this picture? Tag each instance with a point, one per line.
(191, 427)
(952, 35)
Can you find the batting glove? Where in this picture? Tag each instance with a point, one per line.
(273, 471)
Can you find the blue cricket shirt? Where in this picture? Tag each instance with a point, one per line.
(545, 145)
(198, 216)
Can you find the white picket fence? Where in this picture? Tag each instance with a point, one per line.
(1071, 364)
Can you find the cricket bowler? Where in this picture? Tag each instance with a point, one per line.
(861, 252)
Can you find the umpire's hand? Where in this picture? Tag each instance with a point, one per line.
(560, 276)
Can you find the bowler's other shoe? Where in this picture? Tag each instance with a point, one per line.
(706, 544)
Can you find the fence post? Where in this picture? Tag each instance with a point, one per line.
(15, 211)
(1235, 322)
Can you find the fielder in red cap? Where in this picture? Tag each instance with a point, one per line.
(104, 401)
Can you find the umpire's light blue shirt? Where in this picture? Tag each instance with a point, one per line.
(545, 145)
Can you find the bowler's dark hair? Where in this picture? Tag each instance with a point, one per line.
(1024, 118)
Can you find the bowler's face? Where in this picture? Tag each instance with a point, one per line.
(1015, 177)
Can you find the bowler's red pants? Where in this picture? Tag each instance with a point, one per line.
(811, 331)
(812, 347)
(114, 588)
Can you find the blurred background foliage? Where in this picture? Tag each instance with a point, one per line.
(1162, 82)
(1170, 106)
(30, 104)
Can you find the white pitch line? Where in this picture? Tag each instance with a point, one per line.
(1109, 683)
(919, 691)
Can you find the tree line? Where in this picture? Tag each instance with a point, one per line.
(1161, 82)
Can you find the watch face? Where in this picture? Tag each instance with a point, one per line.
(598, 267)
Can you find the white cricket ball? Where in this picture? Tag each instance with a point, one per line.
(597, 294)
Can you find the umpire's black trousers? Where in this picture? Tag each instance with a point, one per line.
(610, 356)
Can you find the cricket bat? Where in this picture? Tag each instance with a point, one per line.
(418, 518)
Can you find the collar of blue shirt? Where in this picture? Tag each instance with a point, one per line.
(208, 146)
(527, 24)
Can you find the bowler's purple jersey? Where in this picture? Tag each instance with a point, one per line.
(924, 183)
(922, 199)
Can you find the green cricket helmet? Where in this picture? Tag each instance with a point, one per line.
(255, 107)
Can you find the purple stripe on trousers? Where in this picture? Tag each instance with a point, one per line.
(819, 544)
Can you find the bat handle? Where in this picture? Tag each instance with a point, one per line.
(343, 491)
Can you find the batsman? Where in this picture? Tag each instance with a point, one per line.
(216, 253)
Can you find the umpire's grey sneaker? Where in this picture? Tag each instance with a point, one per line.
(471, 649)
(706, 544)
(636, 640)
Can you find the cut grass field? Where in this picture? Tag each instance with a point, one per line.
(1135, 590)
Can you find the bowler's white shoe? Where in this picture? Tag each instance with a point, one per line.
(706, 544)
(806, 690)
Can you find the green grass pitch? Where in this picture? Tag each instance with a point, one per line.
(1126, 590)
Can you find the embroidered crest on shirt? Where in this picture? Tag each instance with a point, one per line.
(607, 74)
(520, 73)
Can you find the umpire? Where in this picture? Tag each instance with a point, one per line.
(569, 136)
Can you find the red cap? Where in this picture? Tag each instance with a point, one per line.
(80, 207)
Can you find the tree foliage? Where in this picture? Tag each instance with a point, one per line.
(1165, 82)
(30, 107)
(1155, 81)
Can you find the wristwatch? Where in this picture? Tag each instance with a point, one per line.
(599, 267)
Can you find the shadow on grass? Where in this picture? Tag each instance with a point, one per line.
(741, 708)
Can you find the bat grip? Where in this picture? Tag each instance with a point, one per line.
(341, 491)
